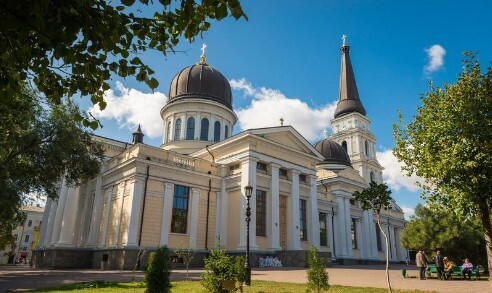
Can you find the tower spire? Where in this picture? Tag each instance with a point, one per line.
(348, 95)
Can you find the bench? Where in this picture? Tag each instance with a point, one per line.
(431, 269)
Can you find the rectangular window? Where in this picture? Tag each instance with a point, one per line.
(27, 238)
(260, 213)
(261, 166)
(302, 219)
(24, 248)
(29, 223)
(378, 238)
(16, 237)
(234, 167)
(323, 241)
(353, 231)
(282, 173)
(302, 178)
(179, 219)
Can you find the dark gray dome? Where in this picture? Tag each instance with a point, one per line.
(332, 152)
(203, 82)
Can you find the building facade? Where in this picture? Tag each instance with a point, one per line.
(190, 191)
(26, 237)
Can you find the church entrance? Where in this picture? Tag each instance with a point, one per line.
(283, 222)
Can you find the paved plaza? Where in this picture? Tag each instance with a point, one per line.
(23, 278)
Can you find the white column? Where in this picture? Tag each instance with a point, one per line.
(109, 194)
(118, 213)
(274, 203)
(348, 223)
(96, 214)
(224, 207)
(184, 124)
(167, 213)
(341, 239)
(394, 252)
(329, 231)
(372, 231)
(46, 215)
(366, 235)
(248, 176)
(49, 224)
(62, 199)
(198, 125)
(83, 224)
(195, 200)
(313, 213)
(222, 129)
(130, 236)
(293, 219)
(211, 127)
(361, 245)
(69, 217)
(384, 226)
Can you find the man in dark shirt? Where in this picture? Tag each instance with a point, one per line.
(439, 262)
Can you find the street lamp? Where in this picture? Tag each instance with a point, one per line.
(248, 190)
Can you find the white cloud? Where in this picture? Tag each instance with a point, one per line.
(269, 105)
(393, 175)
(409, 211)
(435, 54)
(130, 107)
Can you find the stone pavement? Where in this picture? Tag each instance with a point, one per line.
(23, 278)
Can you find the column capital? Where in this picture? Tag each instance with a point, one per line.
(248, 159)
(275, 166)
(295, 172)
(168, 185)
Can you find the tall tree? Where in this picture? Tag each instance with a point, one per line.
(73, 47)
(377, 198)
(440, 229)
(39, 144)
(449, 145)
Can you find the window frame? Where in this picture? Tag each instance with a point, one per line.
(216, 131)
(204, 127)
(303, 233)
(323, 232)
(177, 129)
(261, 213)
(178, 211)
(190, 128)
(353, 232)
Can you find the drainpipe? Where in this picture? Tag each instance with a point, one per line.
(208, 212)
(142, 216)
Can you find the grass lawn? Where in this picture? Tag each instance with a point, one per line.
(195, 286)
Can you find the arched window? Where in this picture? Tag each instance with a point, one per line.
(344, 145)
(371, 177)
(366, 145)
(226, 132)
(168, 131)
(177, 129)
(204, 129)
(217, 131)
(190, 128)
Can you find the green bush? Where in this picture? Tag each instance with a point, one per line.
(317, 275)
(158, 271)
(220, 267)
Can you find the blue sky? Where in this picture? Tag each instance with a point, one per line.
(288, 55)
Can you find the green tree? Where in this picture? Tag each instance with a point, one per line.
(449, 145)
(316, 274)
(39, 144)
(377, 197)
(158, 272)
(219, 267)
(73, 47)
(187, 254)
(438, 229)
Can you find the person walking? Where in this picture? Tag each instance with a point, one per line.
(421, 261)
(439, 262)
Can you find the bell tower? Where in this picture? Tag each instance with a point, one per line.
(351, 127)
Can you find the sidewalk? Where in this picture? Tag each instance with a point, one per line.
(23, 278)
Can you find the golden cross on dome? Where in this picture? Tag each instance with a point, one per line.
(344, 38)
(203, 48)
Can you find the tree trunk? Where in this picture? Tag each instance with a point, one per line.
(486, 219)
(387, 254)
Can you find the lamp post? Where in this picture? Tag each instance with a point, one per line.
(248, 190)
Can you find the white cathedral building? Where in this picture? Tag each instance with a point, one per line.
(190, 192)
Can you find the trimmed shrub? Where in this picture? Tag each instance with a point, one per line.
(218, 268)
(317, 275)
(157, 274)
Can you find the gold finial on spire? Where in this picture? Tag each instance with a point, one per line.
(203, 60)
(281, 121)
(344, 38)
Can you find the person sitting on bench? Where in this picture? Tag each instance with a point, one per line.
(448, 268)
(467, 268)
